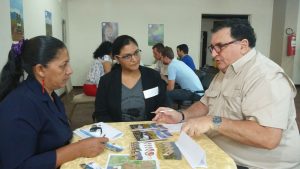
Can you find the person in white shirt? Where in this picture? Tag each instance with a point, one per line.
(101, 65)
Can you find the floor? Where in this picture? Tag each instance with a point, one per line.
(83, 113)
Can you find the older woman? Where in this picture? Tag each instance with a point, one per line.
(130, 92)
(35, 132)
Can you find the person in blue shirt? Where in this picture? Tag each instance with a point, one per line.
(35, 132)
(182, 52)
(179, 73)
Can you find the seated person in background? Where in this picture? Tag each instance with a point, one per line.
(101, 65)
(248, 109)
(35, 132)
(182, 52)
(130, 92)
(180, 73)
(159, 66)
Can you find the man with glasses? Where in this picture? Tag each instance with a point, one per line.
(249, 108)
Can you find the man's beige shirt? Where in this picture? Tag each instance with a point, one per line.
(255, 88)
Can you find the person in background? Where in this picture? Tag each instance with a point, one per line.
(248, 110)
(178, 72)
(101, 65)
(159, 66)
(182, 52)
(35, 132)
(130, 92)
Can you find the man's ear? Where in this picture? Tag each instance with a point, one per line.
(244, 46)
(39, 70)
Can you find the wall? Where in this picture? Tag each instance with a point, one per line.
(34, 22)
(181, 19)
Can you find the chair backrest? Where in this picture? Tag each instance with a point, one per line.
(206, 75)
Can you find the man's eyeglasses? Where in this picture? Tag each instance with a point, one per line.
(219, 47)
(128, 57)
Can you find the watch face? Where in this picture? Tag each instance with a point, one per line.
(217, 120)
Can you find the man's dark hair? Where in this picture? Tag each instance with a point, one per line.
(184, 48)
(159, 47)
(240, 29)
(168, 52)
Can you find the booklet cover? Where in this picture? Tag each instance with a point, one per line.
(99, 130)
(122, 161)
(151, 126)
(154, 151)
(151, 135)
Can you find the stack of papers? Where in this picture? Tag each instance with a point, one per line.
(108, 131)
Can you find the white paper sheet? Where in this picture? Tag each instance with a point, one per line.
(172, 128)
(191, 150)
(107, 130)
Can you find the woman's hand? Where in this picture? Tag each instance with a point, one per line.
(92, 147)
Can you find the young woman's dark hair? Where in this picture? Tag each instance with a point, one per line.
(104, 49)
(120, 42)
(24, 56)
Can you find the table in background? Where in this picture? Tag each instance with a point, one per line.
(215, 157)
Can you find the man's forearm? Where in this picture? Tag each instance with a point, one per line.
(251, 133)
(198, 109)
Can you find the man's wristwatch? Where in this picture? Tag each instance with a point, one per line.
(216, 120)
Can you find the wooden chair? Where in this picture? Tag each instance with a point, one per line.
(78, 99)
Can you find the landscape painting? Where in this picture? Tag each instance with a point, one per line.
(16, 19)
(48, 18)
(155, 34)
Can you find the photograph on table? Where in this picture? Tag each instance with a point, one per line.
(154, 151)
(151, 135)
(151, 126)
(122, 161)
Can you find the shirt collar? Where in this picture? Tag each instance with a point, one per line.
(239, 64)
(36, 88)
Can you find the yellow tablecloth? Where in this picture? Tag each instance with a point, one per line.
(215, 157)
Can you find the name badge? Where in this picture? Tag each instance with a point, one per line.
(151, 92)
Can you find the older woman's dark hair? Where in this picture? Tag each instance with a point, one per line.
(168, 52)
(38, 50)
(120, 42)
(105, 48)
(240, 29)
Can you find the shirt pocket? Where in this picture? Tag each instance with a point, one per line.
(212, 96)
(233, 103)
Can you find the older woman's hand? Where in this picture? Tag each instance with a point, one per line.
(92, 147)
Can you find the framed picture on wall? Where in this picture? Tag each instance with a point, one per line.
(48, 18)
(155, 34)
(109, 31)
(16, 20)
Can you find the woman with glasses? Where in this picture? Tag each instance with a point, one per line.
(129, 92)
(35, 132)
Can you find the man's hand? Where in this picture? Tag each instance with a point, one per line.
(167, 115)
(197, 126)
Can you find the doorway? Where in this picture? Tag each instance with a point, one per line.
(207, 22)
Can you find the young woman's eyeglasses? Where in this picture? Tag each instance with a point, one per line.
(219, 47)
(128, 57)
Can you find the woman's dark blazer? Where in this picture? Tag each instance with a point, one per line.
(108, 98)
